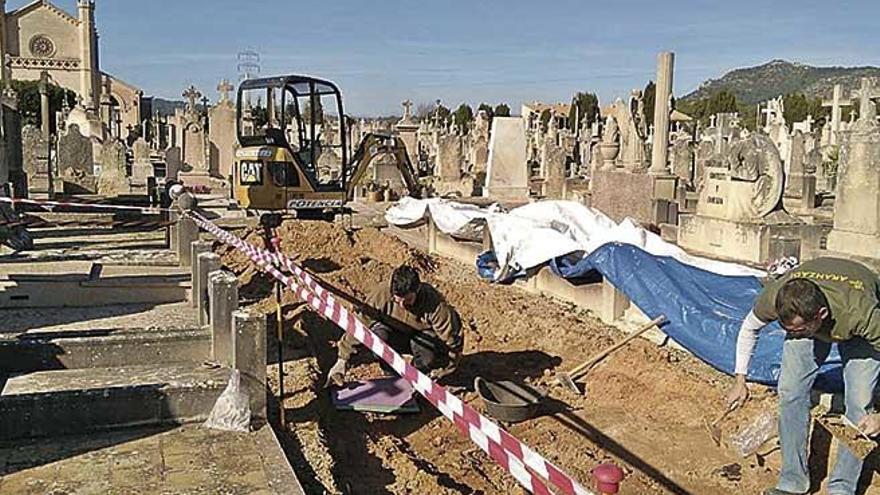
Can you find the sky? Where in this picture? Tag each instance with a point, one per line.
(382, 52)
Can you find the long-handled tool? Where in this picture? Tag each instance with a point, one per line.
(715, 426)
(567, 378)
(270, 223)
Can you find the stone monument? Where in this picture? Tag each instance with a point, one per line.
(739, 214)
(507, 177)
(857, 205)
(221, 132)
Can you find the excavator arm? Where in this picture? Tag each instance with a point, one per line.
(374, 145)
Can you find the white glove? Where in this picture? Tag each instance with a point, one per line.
(337, 373)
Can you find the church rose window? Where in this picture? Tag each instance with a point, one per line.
(42, 46)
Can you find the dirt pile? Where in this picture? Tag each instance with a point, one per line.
(645, 407)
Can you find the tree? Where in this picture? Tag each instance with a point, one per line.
(442, 113)
(798, 106)
(489, 110)
(546, 115)
(463, 115)
(502, 110)
(425, 110)
(29, 102)
(649, 96)
(584, 106)
(722, 102)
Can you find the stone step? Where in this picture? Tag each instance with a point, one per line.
(41, 291)
(60, 402)
(73, 349)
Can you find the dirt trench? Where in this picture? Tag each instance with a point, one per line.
(645, 407)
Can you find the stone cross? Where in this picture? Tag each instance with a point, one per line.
(191, 94)
(836, 103)
(224, 88)
(712, 120)
(865, 95)
(407, 109)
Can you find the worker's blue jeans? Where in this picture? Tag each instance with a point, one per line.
(801, 359)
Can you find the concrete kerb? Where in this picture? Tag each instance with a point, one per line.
(205, 264)
(222, 303)
(187, 233)
(600, 297)
(249, 357)
(197, 248)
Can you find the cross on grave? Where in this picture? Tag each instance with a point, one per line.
(224, 88)
(407, 109)
(865, 94)
(191, 94)
(712, 120)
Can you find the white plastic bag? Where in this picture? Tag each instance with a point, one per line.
(232, 411)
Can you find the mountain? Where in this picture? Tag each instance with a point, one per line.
(753, 85)
(166, 107)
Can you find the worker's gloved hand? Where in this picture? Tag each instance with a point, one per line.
(454, 359)
(870, 424)
(336, 375)
(738, 394)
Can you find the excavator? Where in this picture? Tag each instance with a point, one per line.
(289, 161)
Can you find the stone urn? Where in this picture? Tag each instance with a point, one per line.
(609, 152)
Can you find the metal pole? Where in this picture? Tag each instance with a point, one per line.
(270, 223)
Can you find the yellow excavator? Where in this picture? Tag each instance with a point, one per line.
(294, 153)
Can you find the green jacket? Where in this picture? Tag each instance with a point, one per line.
(429, 313)
(852, 291)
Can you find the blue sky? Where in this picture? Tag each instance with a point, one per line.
(384, 51)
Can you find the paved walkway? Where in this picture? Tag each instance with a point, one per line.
(184, 460)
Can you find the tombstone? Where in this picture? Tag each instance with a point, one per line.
(193, 142)
(35, 155)
(407, 129)
(682, 158)
(76, 161)
(173, 163)
(221, 133)
(506, 173)
(449, 158)
(142, 166)
(739, 215)
(857, 203)
(554, 158)
(113, 180)
(799, 184)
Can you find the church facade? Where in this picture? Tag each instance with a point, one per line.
(43, 37)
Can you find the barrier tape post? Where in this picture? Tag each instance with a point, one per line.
(527, 466)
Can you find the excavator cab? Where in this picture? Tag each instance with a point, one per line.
(295, 153)
(294, 150)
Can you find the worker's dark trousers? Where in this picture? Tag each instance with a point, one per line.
(428, 351)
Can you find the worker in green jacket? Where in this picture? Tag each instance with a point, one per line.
(413, 318)
(823, 301)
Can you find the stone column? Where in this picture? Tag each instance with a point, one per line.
(206, 263)
(187, 233)
(44, 104)
(249, 357)
(660, 150)
(223, 302)
(196, 248)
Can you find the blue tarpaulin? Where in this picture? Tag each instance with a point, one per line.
(703, 309)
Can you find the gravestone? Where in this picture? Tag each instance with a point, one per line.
(739, 214)
(449, 158)
(221, 133)
(857, 204)
(173, 163)
(554, 171)
(507, 176)
(142, 166)
(76, 161)
(113, 180)
(682, 159)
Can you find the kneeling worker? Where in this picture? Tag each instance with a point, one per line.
(822, 301)
(412, 318)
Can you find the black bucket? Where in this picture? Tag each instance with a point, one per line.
(508, 401)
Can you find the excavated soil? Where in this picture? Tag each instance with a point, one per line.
(645, 407)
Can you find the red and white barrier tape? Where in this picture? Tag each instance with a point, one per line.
(51, 205)
(526, 465)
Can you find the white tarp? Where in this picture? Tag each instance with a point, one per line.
(538, 232)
